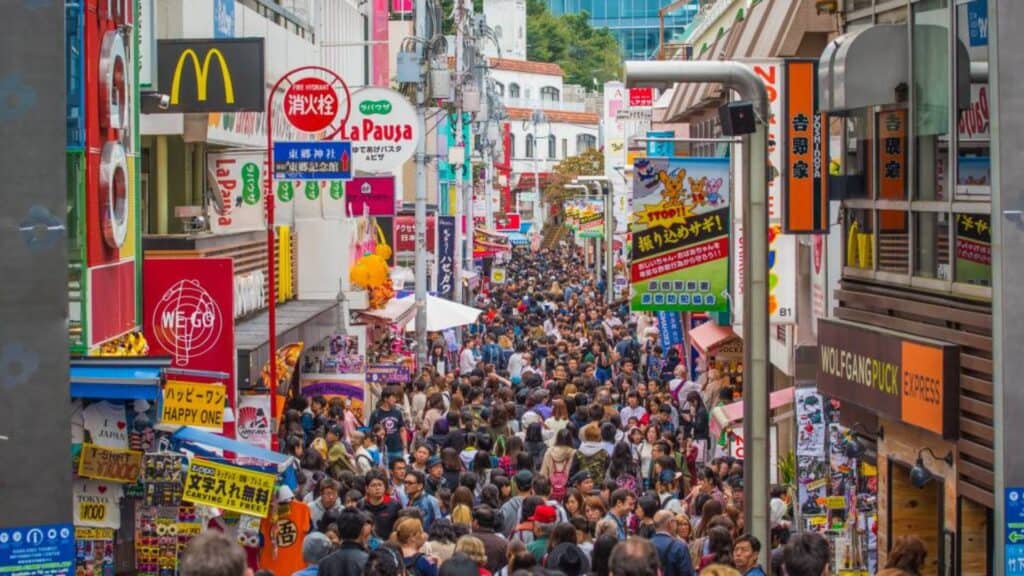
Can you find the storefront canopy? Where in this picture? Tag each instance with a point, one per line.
(309, 321)
(211, 440)
(444, 314)
(117, 378)
(726, 415)
(709, 336)
(518, 239)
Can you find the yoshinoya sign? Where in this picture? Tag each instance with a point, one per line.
(211, 75)
(383, 130)
(910, 380)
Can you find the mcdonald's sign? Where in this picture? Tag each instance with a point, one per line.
(211, 75)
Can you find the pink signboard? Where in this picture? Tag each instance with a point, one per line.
(400, 6)
(375, 194)
(379, 51)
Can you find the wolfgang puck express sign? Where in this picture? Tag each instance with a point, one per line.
(908, 380)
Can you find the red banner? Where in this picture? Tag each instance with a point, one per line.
(510, 222)
(641, 97)
(405, 234)
(188, 314)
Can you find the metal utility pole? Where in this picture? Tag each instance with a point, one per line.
(756, 365)
(467, 185)
(603, 186)
(421, 188)
(460, 200)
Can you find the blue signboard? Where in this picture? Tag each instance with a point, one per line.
(38, 550)
(446, 256)
(657, 149)
(1014, 531)
(313, 160)
(224, 18)
(670, 328)
(977, 22)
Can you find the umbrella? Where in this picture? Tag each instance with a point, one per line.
(444, 314)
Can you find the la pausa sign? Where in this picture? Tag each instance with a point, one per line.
(383, 129)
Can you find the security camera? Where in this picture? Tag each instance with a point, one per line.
(163, 102)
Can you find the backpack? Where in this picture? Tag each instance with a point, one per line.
(560, 479)
(410, 565)
(596, 464)
(629, 482)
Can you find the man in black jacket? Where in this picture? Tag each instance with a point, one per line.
(355, 528)
(495, 545)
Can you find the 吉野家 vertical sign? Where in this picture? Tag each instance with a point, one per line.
(680, 234)
(805, 189)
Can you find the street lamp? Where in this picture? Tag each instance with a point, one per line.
(537, 118)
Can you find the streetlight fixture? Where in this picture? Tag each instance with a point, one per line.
(537, 119)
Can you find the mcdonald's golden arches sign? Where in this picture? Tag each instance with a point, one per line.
(211, 75)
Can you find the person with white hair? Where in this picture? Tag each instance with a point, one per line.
(316, 547)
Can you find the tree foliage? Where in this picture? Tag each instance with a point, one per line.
(589, 56)
(589, 163)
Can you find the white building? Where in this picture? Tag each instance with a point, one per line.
(565, 129)
(508, 20)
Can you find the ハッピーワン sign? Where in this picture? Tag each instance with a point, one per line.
(383, 130)
(909, 380)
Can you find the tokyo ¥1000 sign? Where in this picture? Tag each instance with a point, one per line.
(383, 130)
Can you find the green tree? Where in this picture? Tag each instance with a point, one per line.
(589, 56)
(589, 163)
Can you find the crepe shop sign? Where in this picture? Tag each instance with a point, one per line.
(383, 130)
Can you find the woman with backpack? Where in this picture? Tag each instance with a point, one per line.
(624, 469)
(557, 464)
(409, 535)
(591, 455)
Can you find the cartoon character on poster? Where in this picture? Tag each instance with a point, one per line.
(810, 423)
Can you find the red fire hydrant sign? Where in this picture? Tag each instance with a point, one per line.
(311, 104)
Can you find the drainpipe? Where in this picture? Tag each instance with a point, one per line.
(756, 366)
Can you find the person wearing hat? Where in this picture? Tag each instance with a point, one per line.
(355, 528)
(583, 481)
(435, 475)
(316, 547)
(510, 511)
(544, 518)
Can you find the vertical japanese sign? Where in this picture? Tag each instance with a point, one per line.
(805, 195)
(615, 95)
(973, 249)
(680, 231)
(188, 314)
(446, 256)
(670, 328)
(892, 161)
(238, 203)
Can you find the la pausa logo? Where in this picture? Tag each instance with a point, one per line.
(681, 196)
(377, 129)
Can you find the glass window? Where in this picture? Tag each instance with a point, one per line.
(931, 245)
(549, 94)
(857, 227)
(893, 242)
(499, 88)
(512, 145)
(973, 249)
(529, 146)
(585, 142)
(852, 5)
(552, 148)
(973, 176)
(932, 84)
(565, 147)
(513, 90)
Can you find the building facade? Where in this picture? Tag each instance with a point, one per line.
(634, 23)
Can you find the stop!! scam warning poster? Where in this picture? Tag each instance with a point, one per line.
(680, 229)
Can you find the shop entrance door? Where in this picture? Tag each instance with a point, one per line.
(916, 512)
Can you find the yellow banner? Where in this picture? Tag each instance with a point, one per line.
(836, 503)
(110, 464)
(194, 404)
(229, 487)
(84, 533)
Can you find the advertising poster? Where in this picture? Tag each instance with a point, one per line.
(388, 373)
(253, 421)
(670, 327)
(370, 196)
(405, 234)
(188, 314)
(680, 246)
(193, 404)
(446, 256)
(237, 179)
(383, 130)
(229, 487)
(96, 503)
(973, 249)
(812, 464)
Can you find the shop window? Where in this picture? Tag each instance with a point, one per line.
(973, 249)
(858, 226)
(931, 245)
(973, 175)
(931, 96)
(893, 242)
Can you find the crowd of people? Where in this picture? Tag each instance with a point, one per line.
(560, 439)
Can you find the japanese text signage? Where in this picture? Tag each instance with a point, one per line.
(639, 97)
(211, 75)
(892, 162)
(680, 234)
(238, 203)
(911, 381)
(670, 327)
(446, 257)
(109, 464)
(229, 487)
(510, 222)
(313, 160)
(193, 404)
(383, 129)
(388, 372)
(1014, 528)
(310, 104)
(805, 197)
(405, 234)
(973, 249)
(188, 315)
